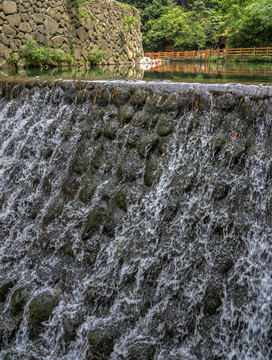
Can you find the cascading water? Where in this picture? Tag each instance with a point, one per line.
(135, 221)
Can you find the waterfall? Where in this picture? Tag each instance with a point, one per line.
(135, 221)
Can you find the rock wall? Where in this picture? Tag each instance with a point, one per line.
(73, 28)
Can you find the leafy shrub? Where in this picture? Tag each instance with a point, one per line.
(12, 59)
(214, 58)
(96, 56)
(129, 21)
(43, 56)
(81, 4)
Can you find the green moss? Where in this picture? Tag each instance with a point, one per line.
(40, 310)
(18, 301)
(5, 285)
(121, 200)
(94, 222)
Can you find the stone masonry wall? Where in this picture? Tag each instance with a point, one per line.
(96, 26)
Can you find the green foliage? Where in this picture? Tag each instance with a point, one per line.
(129, 21)
(213, 58)
(251, 59)
(81, 5)
(72, 45)
(43, 56)
(252, 26)
(193, 24)
(12, 59)
(96, 57)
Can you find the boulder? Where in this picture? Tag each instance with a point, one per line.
(9, 7)
(40, 310)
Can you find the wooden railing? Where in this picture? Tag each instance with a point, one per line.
(205, 54)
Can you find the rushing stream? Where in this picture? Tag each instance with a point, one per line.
(135, 221)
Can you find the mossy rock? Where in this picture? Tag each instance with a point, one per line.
(126, 172)
(153, 171)
(121, 199)
(220, 191)
(40, 310)
(128, 136)
(18, 301)
(148, 144)
(87, 191)
(101, 341)
(111, 129)
(96, 160)
(141, 351)
(213, 298)
(5, 285)
(109, 226)
(94, 222)
(2, 200)
(143, 119)
(165, 144)
(165, 126)
(138, 98)
(82, 96)
(125, 114)
(121, 96)
(70, 95)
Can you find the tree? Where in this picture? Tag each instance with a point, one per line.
(253, 26)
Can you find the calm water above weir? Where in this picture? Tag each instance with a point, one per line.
(203, 72)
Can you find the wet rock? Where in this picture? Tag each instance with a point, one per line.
(87, 191)
(97, 158)
(126, 172)
(128, 136)
(82, 96)
(225, 102)
(141, 351)
(221, 191)
(170, 211)
(165, 126)
(53, 211)
(70, 186)
(101, 341)
(18, 301)
(138, 98)
(109, 225)
(111, 129)
(40, 310)
(70, 95)
(213, 298)
(8, 328)
(147, 144)
(121, 96)
(104, 97)
(165, 144)
(94, 222)
(143, 119)
(125, 114)
(5, 286)
(70, 326)
(153, 171)
(121, 199)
